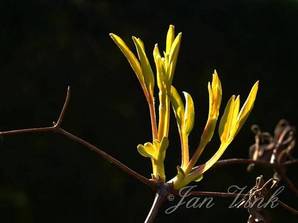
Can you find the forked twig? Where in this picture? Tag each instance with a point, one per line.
(56, 128)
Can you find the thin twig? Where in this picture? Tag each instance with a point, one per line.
(63, 110)
(288, 208)
(208, 194)
(215, 194)
(227, 162)
(57, 129)
(27, 130)
(290, 162)
(106, 156)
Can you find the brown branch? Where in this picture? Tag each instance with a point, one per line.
(28, 130)
(63, 110)
(56, 128)
(288, 208)
(227, 162)
(290, 162)
(106, 156)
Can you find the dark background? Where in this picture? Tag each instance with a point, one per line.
(47, 45)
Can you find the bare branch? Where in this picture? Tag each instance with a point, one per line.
(227, 162)
(57, 129)
(28, 130)
(215, 194)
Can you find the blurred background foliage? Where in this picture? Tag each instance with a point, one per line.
(47, 45)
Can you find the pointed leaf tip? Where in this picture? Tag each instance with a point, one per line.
(170, 38)
(189, 114)
(248, 105)
(145, 65)
(177, 105)
(131, 58)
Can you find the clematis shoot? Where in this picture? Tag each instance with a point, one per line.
(230, 123)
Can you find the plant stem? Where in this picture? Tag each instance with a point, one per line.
(151, 104)
(160, 196)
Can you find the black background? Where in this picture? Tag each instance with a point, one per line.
(47, 45)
